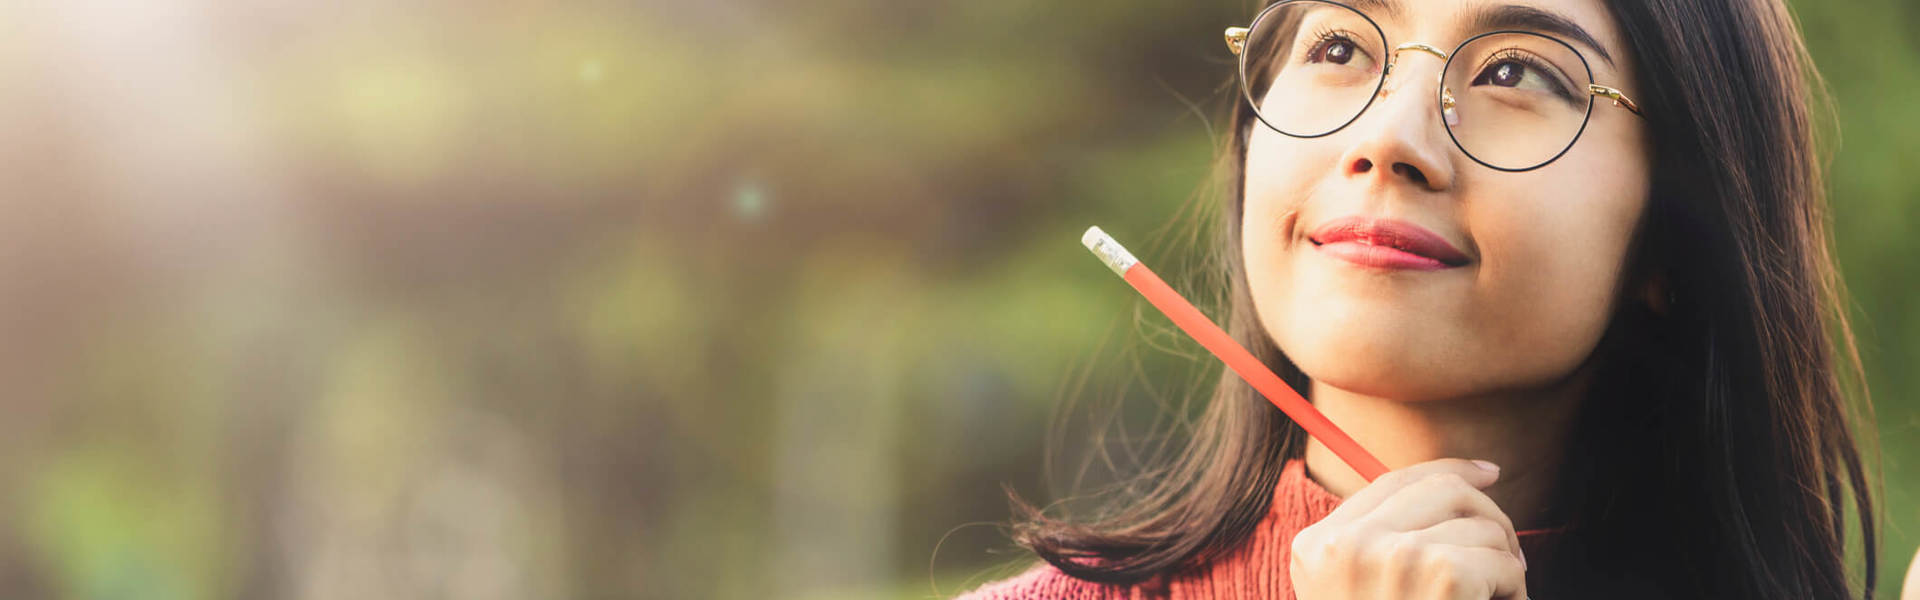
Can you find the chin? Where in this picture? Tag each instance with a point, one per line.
(1377, 376)
(1374, 357)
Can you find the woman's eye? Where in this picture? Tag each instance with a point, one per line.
(1519, 75)
(1338, 51)
(1506, 74)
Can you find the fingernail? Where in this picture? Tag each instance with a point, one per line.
(1487, 466)
(1523, 560)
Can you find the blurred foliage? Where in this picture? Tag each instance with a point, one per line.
(668, 300)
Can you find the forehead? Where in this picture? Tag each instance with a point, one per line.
(1586, 24)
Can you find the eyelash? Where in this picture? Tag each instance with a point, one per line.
(1322, 36)
(1530, 62)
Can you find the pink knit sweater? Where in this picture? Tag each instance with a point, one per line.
(1257, 569)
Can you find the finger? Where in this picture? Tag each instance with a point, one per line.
(1439, 499)
(1470, 532)
(1473, 573)
(1364, 501)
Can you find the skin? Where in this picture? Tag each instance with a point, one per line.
(1425, 368)
(1910, 590)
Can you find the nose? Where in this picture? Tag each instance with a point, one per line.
(1401, 136)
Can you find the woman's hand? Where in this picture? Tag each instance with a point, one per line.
(1425, 531)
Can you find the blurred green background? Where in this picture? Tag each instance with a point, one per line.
(667, 299)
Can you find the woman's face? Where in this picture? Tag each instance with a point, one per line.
(1540, 254)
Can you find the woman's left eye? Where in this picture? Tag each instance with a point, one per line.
(1517, 74)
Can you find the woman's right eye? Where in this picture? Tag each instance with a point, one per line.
(1333, 49)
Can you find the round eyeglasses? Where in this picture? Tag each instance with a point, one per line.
(1511, 100)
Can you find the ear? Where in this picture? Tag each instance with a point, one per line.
(1657, 293)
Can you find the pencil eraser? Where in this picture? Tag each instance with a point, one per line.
(1109, 251)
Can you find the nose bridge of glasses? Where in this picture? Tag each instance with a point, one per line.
(1394, 59)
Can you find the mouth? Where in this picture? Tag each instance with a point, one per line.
(1386, 244)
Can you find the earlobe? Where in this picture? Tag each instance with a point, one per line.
(1658, 294)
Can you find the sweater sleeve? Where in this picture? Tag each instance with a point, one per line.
(1044, 582)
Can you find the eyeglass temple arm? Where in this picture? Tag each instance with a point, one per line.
(1619, 99)
(1236, 39)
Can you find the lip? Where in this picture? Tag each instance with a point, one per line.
(1386, 244)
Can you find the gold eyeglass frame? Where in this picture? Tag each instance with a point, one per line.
(1236, 38)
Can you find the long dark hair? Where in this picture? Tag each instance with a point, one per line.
(1716, 453)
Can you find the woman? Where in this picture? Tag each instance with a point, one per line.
(1564, 264)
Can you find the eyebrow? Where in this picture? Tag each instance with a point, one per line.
(1516, 16)
(1390, 7)
(1507, 16)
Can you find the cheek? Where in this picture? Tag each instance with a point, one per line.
(1281, 173)
(1548, 284)
(1555, 248)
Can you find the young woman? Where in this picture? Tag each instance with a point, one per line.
(1564, 264)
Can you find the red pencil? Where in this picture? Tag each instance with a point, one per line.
(1192, 321)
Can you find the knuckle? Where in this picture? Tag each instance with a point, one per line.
(1454, 480)
(1492, 526)
(1317, 545)
(1402, 551)
(1478, 529)
(1454, 492)
(1440, 572)
(1450, 486)
(1493, 514)
(1307, 543)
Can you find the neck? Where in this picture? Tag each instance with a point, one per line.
(1525, 434)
